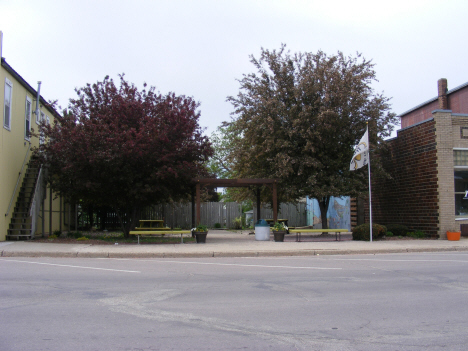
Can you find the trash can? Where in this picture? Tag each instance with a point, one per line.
(262, 230)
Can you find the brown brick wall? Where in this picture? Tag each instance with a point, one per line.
(411, 196)
(457, 102)
(419, 115)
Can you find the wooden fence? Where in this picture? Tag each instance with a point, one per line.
(295, 213)
(179, 215)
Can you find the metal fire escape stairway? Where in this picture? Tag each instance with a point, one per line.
(22, 225)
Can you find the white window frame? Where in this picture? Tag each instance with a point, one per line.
(459, 216)
(27, 118)
(7, 126)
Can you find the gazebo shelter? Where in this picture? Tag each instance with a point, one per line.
(236, 183)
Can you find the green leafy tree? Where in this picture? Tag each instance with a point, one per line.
(298, 118)
(125, 148)
(218, 163)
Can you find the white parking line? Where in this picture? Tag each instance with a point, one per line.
(69, 266)
(221, 264)
(388, 260)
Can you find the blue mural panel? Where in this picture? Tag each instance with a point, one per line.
(338, 215)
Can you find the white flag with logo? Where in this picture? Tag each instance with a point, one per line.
(361, 153)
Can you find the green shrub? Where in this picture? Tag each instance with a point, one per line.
(57, 233)
(389, 234)
(75, 235)
(362, 232)
(217, 225)
(237, 222)
(397, 229)
(418, 234)
(83, 238)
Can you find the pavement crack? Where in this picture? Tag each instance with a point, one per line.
(144, 305)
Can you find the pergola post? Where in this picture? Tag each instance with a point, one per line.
(258, 203)
(193, 208)
(228, 183)
(275, 203)
(50, 211)
(198, 203)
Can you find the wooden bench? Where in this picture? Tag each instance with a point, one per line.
(157, 229)
(160, 232)
(337, 232)
(151, 224)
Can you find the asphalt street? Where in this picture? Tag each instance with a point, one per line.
(414, 301)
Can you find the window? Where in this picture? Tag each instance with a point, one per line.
(7, 104)
(27, 119)
(460, 162)
(460, 157)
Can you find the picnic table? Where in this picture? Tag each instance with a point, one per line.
(156, 227)
(151, 224)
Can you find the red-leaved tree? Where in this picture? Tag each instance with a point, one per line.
(124, 148)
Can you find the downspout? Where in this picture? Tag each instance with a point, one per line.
(38, 100)
(38, 118)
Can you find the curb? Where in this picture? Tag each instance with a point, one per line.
(282, 253)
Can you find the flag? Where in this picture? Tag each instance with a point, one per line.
(361, 153)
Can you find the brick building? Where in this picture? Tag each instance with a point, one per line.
(428, 162)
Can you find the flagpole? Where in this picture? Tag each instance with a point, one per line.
(370, 191)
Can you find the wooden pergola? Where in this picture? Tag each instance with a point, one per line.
(235, 183)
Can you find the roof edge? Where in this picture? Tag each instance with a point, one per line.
(27, 86)
(433, 99)
(416, 124)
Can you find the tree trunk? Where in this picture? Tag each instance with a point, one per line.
(323, 204)
(128, 218)
(103, 218)
(91, 216)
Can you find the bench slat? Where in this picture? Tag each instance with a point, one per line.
(318, 230)
(300, 231)
(159, 232)
(151, 229)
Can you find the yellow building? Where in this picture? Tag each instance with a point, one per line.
(25, 202)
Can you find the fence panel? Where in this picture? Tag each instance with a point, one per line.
(295, 213)
(179, 215)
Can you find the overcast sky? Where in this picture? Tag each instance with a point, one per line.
(199, 48)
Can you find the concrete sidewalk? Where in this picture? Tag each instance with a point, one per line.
(229, 244)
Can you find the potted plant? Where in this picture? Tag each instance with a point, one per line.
(453, 234)
(279, 230)
(200, 232)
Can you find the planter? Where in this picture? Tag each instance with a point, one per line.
(279, 235)
(200, 237)
(453, 236)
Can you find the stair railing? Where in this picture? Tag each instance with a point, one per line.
(36, 201)
(18, 180)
